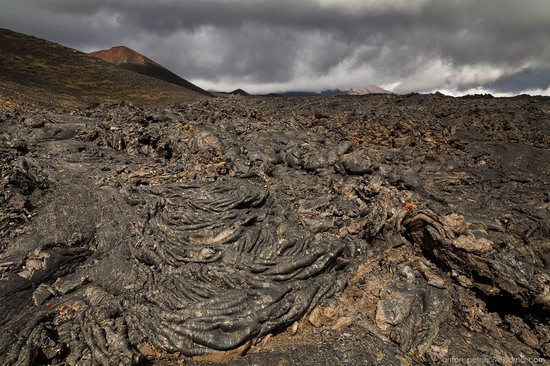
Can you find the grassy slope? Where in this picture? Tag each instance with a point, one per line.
(41, 73)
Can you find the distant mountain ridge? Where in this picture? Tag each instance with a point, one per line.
(236, 92)
(129, 59)
(239, 92)
(371, 89)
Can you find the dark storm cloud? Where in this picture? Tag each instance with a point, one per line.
(528, 79)
(411, 45)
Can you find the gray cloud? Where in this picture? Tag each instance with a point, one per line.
(527, 79)
(267, 45)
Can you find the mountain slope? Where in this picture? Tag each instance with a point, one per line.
(37, 72)
(132, 60)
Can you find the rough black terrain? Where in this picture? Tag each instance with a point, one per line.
(317, 231)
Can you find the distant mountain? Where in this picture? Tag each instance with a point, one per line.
(37, 72)
(239, 92)
(236, 92)
(134, 61)
(299, 93)
(372, 89)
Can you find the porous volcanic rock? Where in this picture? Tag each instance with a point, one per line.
(317, 231)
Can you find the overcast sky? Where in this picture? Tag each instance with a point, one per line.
(456, 46)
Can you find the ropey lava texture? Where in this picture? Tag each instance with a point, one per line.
(131, 235)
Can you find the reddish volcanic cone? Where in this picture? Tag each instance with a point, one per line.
(120, 55)
(132, 60)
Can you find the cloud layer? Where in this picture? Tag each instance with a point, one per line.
(458, 46)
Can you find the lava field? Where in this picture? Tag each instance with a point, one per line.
(379, 229)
